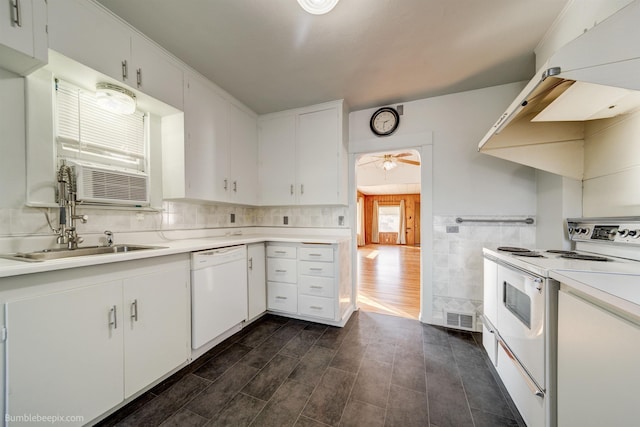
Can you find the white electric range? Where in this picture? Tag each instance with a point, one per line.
(521, 297)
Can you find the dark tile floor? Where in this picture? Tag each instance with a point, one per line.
(376, 371)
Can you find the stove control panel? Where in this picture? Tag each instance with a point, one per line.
(608, 231)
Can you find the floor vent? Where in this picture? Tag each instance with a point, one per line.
(466, 321)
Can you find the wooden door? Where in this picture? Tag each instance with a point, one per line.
(416, 224)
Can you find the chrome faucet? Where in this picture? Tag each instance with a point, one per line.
(66, 198)
(109, 235)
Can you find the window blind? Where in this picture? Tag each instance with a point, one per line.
(86, 131)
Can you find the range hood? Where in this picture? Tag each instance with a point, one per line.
(596, 76)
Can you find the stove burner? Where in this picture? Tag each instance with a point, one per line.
(584, 257)
(559, 251)
(512, 249)
(529, 254)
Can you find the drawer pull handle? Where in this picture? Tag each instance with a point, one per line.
(315, 269)
(315, 287)
(280, 252)
(315, 307)
(279, 297)
(281, 271)
(315, 254)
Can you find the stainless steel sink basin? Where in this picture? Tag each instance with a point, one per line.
(48, 254)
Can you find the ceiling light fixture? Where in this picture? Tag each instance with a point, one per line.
(115, 98)
(388, 165)
(318, 7)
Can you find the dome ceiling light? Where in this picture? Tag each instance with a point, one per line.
(115, 98)
(318, 7)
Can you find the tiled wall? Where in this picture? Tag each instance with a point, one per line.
(27, 221)
(457, 260)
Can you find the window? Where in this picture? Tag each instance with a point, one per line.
(388, 219)
(87, 132)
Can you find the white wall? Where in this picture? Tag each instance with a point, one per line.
(465, 182)
(457, 181)
(558, 198)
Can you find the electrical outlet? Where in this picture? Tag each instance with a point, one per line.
(285, 220)
(139, 217)
(453, 229)
(233, 218)
(341, 220)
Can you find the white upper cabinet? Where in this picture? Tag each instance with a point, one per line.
(303, 156)
(23, 35)
(204, 136)
(211, 158)
(243, 156)
(155, 73)
(84, 32)
(277, 147)
(318, 157)
(89, 34)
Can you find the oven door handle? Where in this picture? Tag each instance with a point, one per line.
(525, 375)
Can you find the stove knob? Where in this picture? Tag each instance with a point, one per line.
(634, 233)
(579, 230)
(623, 233)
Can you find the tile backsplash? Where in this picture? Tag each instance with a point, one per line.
(458, 262)
(28, 221)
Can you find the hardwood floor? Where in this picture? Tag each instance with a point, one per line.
(389, 279)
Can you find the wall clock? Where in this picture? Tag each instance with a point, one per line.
(384, 121)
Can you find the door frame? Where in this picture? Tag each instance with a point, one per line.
(423, 144)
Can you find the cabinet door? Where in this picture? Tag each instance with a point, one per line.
(64, 352)
(598, 374)
(155, 73)
(16, 25)
(277, 161)
(206, 150)
(156, 322)
(243, 156)
(91, 36)
(257, 284)
(318, 165)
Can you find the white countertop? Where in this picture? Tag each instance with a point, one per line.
(617, 289)
(10, 267)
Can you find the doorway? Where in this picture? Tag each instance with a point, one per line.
(388, 187)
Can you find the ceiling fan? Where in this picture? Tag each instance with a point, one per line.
(390, 161)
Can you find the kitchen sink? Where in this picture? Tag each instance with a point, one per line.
(49, 254)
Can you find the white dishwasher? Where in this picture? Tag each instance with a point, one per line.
(218, 292)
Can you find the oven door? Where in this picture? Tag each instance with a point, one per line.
(521, 312)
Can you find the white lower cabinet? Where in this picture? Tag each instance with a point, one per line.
(65, 352)
(80, 346)
(154, 322)
(256, 280)
(310, 281)
(282, 297)
(598, 375)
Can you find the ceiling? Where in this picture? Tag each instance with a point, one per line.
(272, 56)
(371, 179)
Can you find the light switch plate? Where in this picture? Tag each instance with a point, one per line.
(453, 229)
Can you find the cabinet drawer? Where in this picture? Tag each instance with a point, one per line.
(281, 252)
(316, 306)
(310, 268)
(281, 270)
(282, 297)
(316, 254)
(318, 286)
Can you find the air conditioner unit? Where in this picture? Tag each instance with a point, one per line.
(103, 185)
